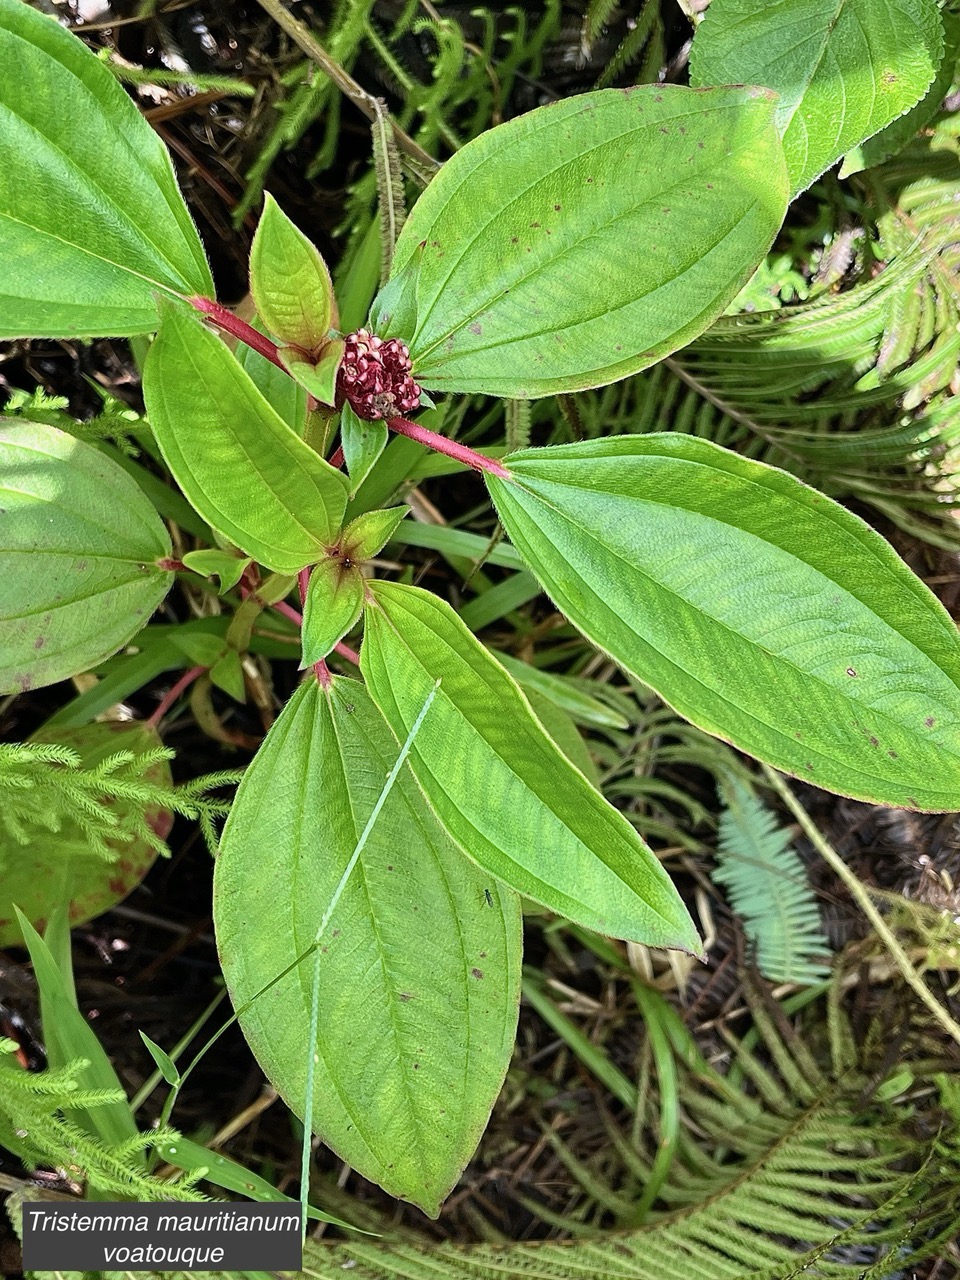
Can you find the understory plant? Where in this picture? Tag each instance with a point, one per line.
(567, 249)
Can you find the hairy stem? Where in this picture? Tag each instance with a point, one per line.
(184, 683)
(224, 319)
(441, 444)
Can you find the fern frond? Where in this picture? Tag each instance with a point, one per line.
(644, 39)
(116, 421)
(768, 888)
(596, 17)
(799, 1176)
(95, 808)
(35, 1125)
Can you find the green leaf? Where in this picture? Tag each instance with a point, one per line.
(761, 610)
(844, 69)
(394, 309)
(68, 1036)
(227, 1173)
(289, 281)
(58, 868)
(563, 692)
(501, 787)
(522, 289)
(91, 220)
(277, 386)
(363, 442)
(202, 648)
(227, 674)
(165, 1064)
(333, 604)
(243, 469)
(419, 978)
(228, 567)
(79, 545)
(319, 376)
(891, 140)
(370, 532)
(565, 734)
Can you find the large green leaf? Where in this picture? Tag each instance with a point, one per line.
(844, 69)
(420, 964)
(500, 785)
(289, 281)
(891, 140)
(757, 607)
(79, 545)
(241, 466)
(91, 220)
(57, 868)
(586, 240)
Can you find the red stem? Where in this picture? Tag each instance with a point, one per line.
(185, 681)
(320, 669)
(413, 431)
(224, 319)
(344, 650)
(290, 612)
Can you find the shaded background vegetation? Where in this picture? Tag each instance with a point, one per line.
(858, 396)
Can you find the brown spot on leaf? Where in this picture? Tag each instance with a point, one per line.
(929, 722)
(39, 642)
(476, 973)
(476, 328)
(874, 742)
(404, 996)
(893, 755)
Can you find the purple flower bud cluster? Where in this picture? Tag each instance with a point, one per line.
(375, 376)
